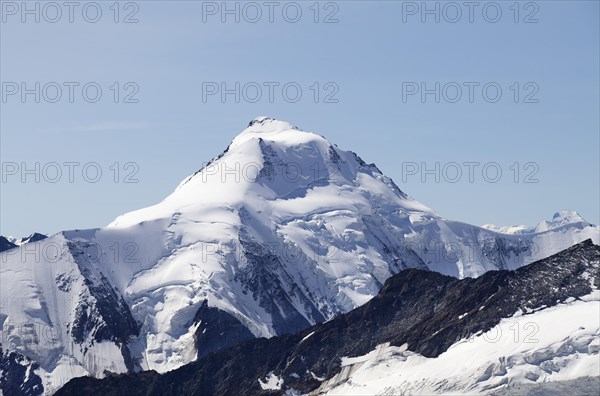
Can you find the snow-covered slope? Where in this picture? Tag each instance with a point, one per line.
(550, 345)
(423, 333)
(60, 311)
(279, 232)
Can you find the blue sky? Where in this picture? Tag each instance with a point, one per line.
(370, 57)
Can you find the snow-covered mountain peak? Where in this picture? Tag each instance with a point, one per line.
(10, 241)
(273, 130)
(269, 123)
(280, 231)
(567, 214)
(274, 168)
(560, 219)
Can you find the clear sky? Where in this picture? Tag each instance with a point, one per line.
(374, 58)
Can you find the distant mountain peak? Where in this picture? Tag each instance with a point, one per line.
(567, 214)
(36, 236)
(11, 242)
(559, 219)
(6, 244)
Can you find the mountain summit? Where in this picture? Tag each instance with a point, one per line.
(272, 164)
(560, 219)
(279, 232)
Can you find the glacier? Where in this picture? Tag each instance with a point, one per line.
(549, 346)
(281, 231)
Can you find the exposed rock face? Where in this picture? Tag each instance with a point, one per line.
(36, 236)
(217, 330)
(17, 376)
(5, 244)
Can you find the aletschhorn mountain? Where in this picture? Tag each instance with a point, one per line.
(281, 231)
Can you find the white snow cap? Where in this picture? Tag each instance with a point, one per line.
(562, 218)
(268, 128)
(268, 124)
(266, 120)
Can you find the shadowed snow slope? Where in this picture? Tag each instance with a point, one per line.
(281, 231)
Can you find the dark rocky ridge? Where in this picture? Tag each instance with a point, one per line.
(217, 330)
(415, 307)
(36, 236)
(5, 244)
(17, 375)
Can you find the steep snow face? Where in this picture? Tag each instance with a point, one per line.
(276, 231)
(273, 166)
(281, 231)
(285, 229)
(556, 344)
(61, 313)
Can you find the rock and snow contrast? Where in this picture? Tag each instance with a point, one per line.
(281, 231)
(6, 243)
(551, 345)
(10, 242)
(506, 332)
